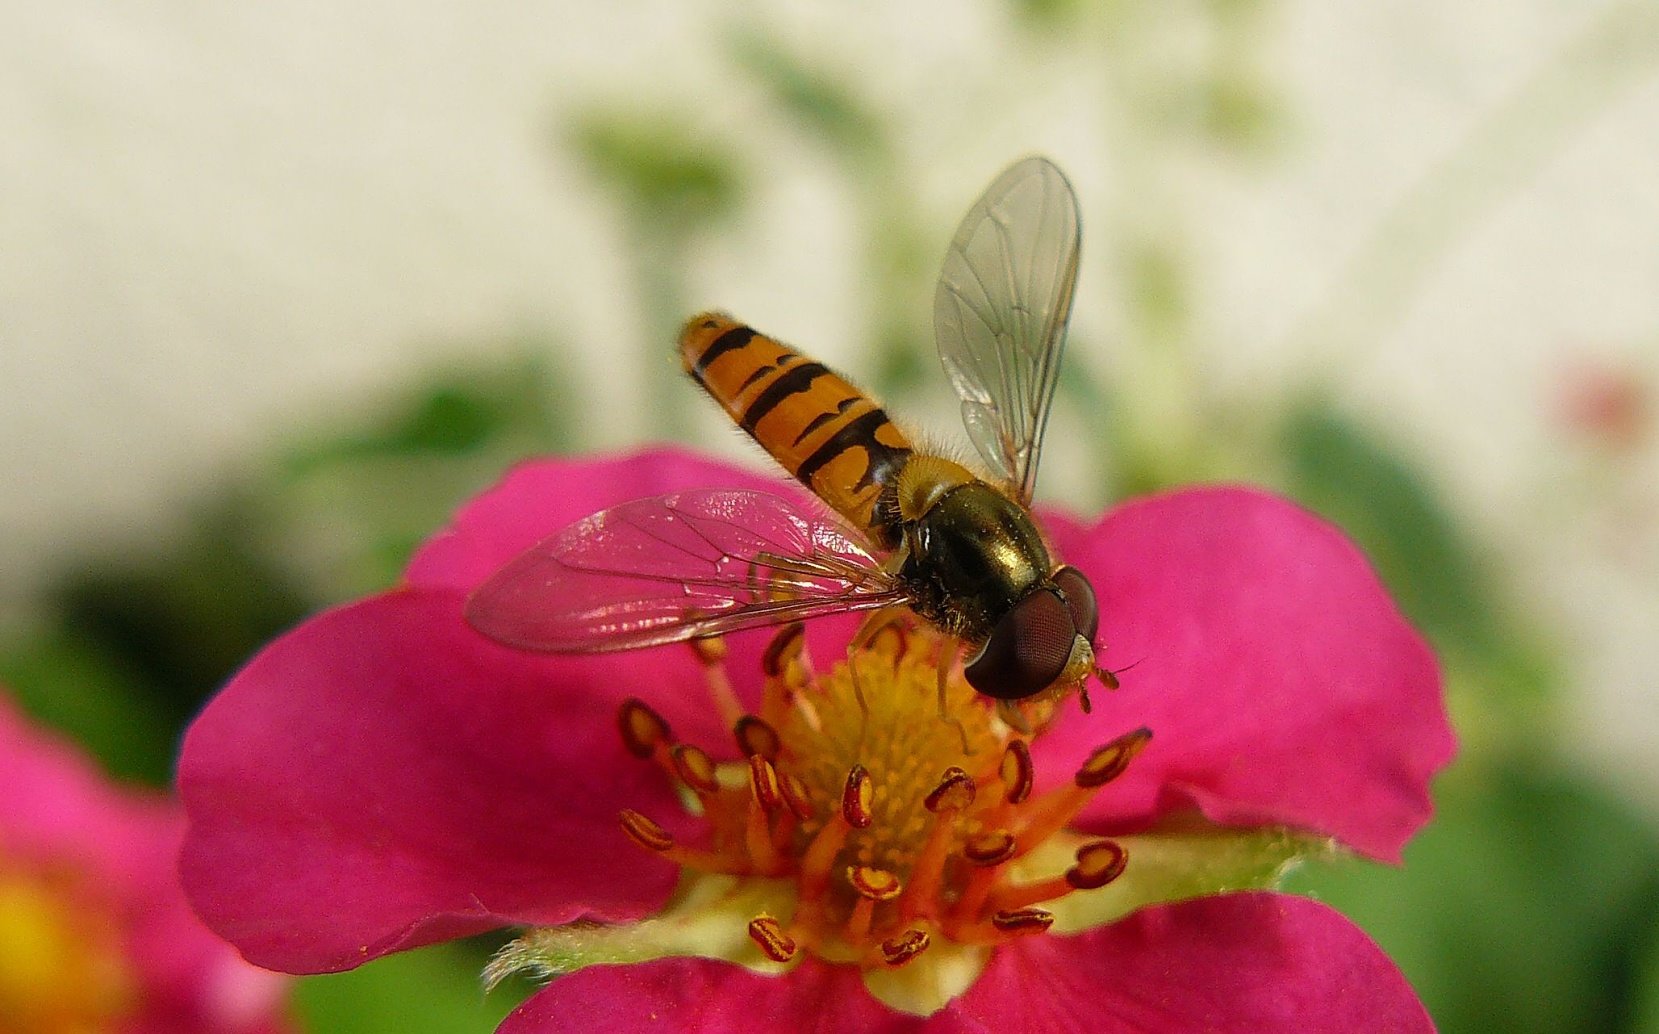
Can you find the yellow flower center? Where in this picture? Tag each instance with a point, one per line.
(62, 967)
(896, 829)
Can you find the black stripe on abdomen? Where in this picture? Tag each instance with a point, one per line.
(792, 382)
(859, 433)
(731, 341)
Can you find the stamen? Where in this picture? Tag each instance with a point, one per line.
(795, 795)
(1018, 774)
(657, 840)
(992, 848)
(898, 950)
(755, 736)
(787, 669)
(955, 791)
(987, 852)
(711, 653)
(643, 730)
(645, 832)
(710, 650)
(1023, 920)
(855, 798)
(819, 857)
(1098, 864)
(774, 943)
(1023, 895)
(1050, 813)
(954, 794)
(765, 798)
(1109, 762)
(695, 768)
(872, 885)
(763, 783)
(786, 646)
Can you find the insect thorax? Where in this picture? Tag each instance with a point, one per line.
(970, 557)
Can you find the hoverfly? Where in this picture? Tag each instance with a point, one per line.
(917, 530)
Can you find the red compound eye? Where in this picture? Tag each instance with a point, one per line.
(1080, 600)
(1027, 650)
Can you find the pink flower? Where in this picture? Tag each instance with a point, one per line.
(384, 777)
(95, 933)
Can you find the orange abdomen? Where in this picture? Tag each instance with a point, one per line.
(832, 437)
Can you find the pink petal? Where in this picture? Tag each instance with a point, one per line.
(1239, 963)
(60, 813)
(383, 777)
(676, 995)
(539, 498)
(1281, 683)
(57, 807)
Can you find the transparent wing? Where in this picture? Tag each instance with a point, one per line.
(675, 567)
(1000, 313)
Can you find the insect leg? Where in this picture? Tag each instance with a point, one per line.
(873, 625)
(949, 650)
(1009, 711)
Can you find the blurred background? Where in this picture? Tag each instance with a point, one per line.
(282, 284)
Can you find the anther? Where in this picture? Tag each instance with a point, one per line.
(774, 943)
(1023, 920)
(755, 736)
(784, 647)
(1098, 863)
(855, 798)
(795, 795)
(643, 729)
(992, 848)
(901, 948)
(1108, 762)
(645, 832)
(710, 650)
(873, 883)
(1018, 774)
(955, 792)
(694, 767)
(763, 783)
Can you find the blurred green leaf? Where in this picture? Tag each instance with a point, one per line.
(346, 509)
(1049, 15)
(1645, 1008)
(73, 684)
(519, 399)
(1239, 112)
(434, 989)
(1522, 908)
(178, 621)
(672, 181)
(1156, 286)
(660, 166)
(815, 99)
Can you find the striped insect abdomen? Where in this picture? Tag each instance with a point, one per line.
(832, 437)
